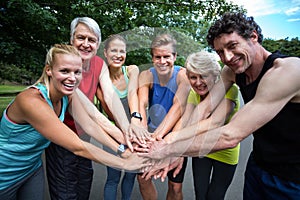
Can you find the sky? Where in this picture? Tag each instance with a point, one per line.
(278, 19)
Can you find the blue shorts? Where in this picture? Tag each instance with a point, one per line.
(261, 185)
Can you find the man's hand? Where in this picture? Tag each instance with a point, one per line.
(139, 134)
(157, 150)
(161, 168)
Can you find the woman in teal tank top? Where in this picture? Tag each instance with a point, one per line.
(125, 83)
(34, 118)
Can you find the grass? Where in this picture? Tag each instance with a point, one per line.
(10, 89)
(7, 93)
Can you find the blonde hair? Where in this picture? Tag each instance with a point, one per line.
(203, 62)
(162, 40)
(51, 60)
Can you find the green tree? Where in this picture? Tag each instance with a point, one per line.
(29, 27)
(285, 46)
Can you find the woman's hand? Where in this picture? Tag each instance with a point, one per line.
(135, 162)
(139, 134)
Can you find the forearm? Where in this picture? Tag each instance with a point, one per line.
(100, 156)
(168, 122)
(201, 145)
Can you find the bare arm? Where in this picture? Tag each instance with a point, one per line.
(96, 116)
(46, 122)
(133, 101)
(112, 100)
(178, 107)
(266, 104)
(145, 80)
(208, 105)
(217, 119)
(138, 132)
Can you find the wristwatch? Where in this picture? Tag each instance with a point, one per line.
(136, 115)
(121, 149)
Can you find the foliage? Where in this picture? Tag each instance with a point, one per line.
(15, 74)
(286, 46)
(29, 27)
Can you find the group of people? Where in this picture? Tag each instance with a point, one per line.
(151, 121)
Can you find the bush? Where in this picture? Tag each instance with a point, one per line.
(12, 73)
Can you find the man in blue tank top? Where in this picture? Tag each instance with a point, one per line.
(270, 85)
(163, 90)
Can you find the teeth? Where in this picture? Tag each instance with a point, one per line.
(69, 85)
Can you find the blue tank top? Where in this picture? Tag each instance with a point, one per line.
(21, 146)
(161, 98)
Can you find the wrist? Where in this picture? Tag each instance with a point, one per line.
(126, 153)
(136, 115)
(121, 149)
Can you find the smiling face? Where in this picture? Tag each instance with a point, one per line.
(235, 51)
(65, 75)
(201, 83)
(115, 53)
(85, 41)
(163, 59)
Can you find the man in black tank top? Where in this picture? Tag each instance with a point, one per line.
(270, 86)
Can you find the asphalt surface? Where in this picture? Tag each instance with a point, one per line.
(234, 191)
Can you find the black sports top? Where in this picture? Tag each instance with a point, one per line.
(276, 145)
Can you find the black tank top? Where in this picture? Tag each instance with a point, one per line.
(276, 145)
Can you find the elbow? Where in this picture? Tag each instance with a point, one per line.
(229, 141)
(79, 150)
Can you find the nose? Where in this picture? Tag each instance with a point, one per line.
(86, 42)
(227, 55)
(199, 81)
(162, 59)
(72, 76)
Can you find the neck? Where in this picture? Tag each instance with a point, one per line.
(164, 79)
(115, 73)
(86, 65)
(256, 66)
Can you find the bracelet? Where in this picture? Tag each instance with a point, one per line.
(137, 115)
(121, 149)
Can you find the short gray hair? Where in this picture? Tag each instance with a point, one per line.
(89, 22)
(203, 62)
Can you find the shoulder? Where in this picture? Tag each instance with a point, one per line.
(282, 80)
(26, 103)
(146, 73)
(132, 68)
(182, 77)
(146, 78)
(292, 63)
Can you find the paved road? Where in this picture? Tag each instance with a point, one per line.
(234, 192)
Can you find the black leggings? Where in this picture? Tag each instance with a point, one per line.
(211, 178)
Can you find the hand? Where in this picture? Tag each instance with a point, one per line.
(161, 168)
(141, 149)
(177, 165)
(126, 153)
(157, 150)
(139, 134)
(135, 162)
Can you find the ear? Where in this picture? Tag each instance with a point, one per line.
(175, 56)
(48, 70)
(105, 53)
(254, 36)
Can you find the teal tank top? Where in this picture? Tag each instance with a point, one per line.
(21, 146)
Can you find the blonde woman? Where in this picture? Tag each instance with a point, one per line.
(34, 118)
